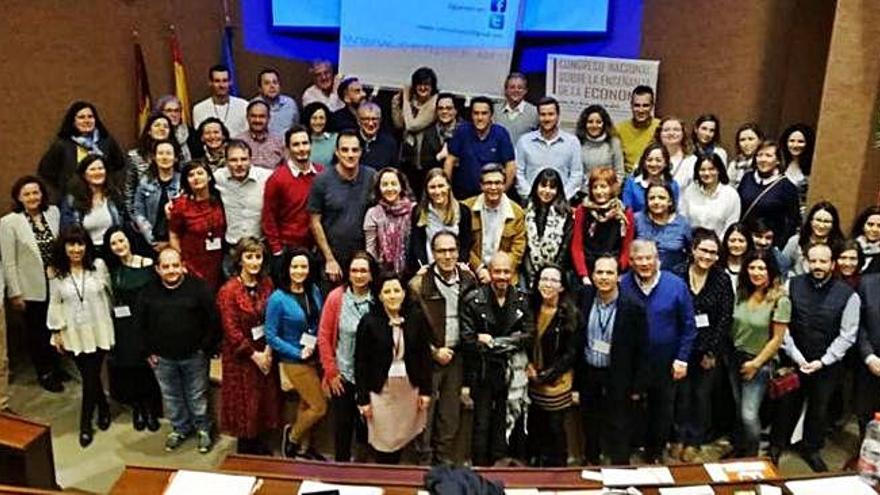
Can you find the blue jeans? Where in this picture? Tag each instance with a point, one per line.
(184, 385)
(748, 396)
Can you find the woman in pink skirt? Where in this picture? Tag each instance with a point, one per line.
(392, 371)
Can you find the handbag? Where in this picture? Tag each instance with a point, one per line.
(783, 382)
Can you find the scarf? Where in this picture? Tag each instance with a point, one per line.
(181, 133)
(393, 233)
(89, 142)
(612, 210)
(544, 246)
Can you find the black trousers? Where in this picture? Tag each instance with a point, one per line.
(89, 365)
(347, 421)
(547, 436)
(488, 442)
(606, 419)
(867, 394)
(659, 408)
(816, 389)
(45, 358)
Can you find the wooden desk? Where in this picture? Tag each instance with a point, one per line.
(398, 480)
(568, 478)
(26, 453)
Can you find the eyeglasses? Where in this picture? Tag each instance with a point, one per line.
(549, 281)
(707, 252)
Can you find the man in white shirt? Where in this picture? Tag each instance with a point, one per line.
(231, 110)
(548, 147)
(241, 188)
(324, 87)
(516, 114)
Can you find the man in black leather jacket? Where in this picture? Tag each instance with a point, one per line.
(495, 323)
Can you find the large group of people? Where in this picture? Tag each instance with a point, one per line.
(395, 267)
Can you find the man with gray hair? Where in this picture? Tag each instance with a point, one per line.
(514, 113)
(380, 148)
(324, 87)
(671, 333)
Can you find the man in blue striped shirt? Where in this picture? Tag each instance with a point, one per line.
(611, 372)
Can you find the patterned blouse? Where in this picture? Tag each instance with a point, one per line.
(44, 237)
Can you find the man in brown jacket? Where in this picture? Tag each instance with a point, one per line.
(438, 289)
(498, 224)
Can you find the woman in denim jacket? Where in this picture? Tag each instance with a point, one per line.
(155, 190)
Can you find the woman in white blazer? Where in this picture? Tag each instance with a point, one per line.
(26, 238)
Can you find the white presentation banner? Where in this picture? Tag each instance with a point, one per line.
(578, 81)
(468, 43)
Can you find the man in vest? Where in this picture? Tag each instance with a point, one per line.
(824, 325)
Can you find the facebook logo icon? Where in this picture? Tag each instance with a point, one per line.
(499, 6)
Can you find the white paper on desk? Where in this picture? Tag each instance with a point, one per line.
(573, 492)
(844, 485)
(188, 482)
(588, 475)
(688, 490)
(309, 486)
(753, 470)
(637, 477)
(769, 490)
(520, 491)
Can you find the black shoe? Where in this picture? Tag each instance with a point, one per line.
(138, 419)
(313, 455)
(152, 421)
(774, 453)
(85, 438)
(814, 460)
(288, 449)
(104, 419)
(51, 383)
(62, 375)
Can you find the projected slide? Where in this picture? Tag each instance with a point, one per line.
(538, 16)
(305, 14)
(468, 42)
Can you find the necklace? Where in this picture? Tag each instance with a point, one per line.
(217, 113)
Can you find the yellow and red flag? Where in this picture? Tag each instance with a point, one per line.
(180, 89)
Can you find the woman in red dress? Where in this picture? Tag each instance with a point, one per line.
(197, 223)
(251, 402)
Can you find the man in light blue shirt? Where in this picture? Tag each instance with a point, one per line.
(548, 147)
(284, 112)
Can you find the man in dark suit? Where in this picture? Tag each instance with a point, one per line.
(611, 370)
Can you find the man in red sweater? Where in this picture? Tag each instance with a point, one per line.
(285, 219)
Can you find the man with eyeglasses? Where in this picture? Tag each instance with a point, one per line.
(380, 149)
(497, 222)
(439, 291)
(611, 371)
(671, 334)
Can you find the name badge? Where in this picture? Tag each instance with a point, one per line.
(601, 346)
(258, 332)
(308, 340)
(213, 244)
(121, 311)
(702, 320)
(397, 369)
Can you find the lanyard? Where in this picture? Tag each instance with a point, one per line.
(80, 292)
(603, 325)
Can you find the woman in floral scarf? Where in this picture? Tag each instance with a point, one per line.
(387, 223)
(548, 225)
(602, 224)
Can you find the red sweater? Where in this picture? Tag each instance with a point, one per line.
(578, 254)
(328, 333)
(285, 216)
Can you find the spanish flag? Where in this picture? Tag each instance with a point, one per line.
(180, 89)
(142, 88)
